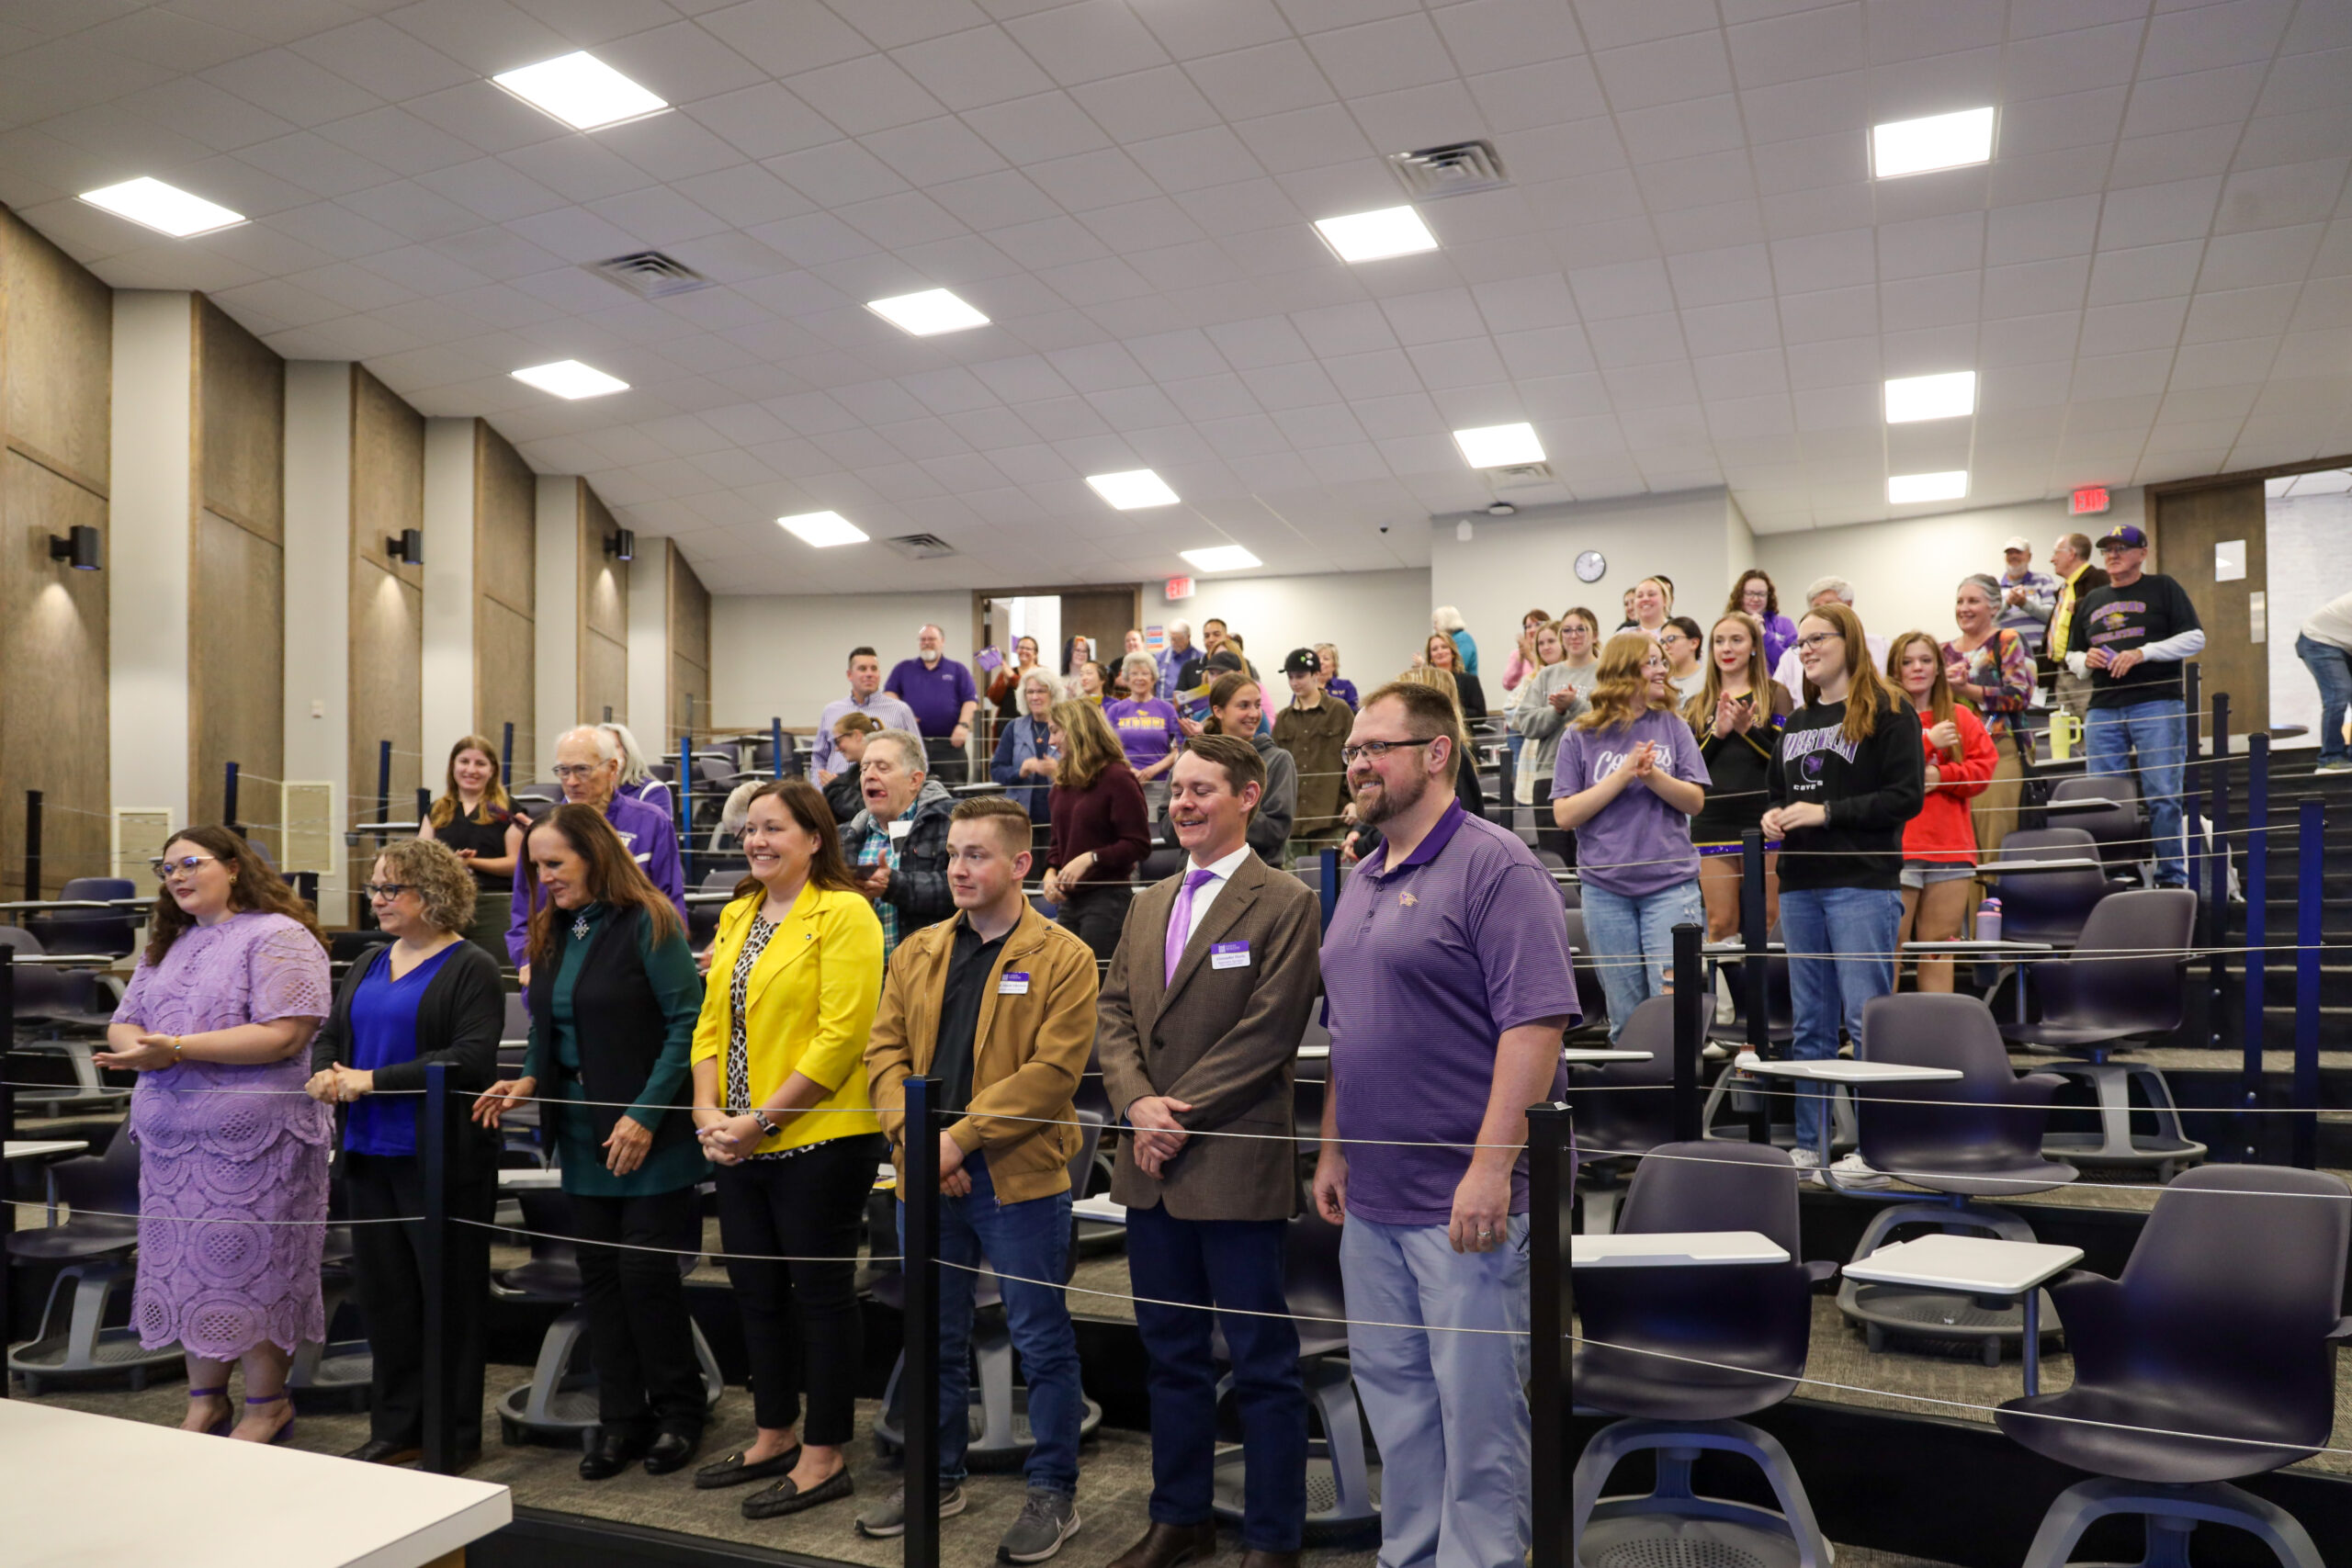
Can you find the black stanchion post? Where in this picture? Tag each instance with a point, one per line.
(1690, 1005)
(229, 797)
(423, 802)
(1327, 883)
(775, 746)
(919, 1387)
(506, 756)
(306, 887)
(383, 782)
(433, 1263)
(8, 1130)
(1551, 1301)
(2216, 895)
(1506, 785)
(2311, 829)
(2257, 927)
(686, 794)
(608, 714)
(33, 843)
(1755, 970)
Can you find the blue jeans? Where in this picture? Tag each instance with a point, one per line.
(1024, 1242)
(2156, 736)
(1238, 1266)
(2331, 668)
(1633, 942)
(1863, 920)
(1448, 1410)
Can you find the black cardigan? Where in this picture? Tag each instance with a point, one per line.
(458, 1020)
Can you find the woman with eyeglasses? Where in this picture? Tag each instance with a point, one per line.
(1754, 595)
(1005, 686)
(475, 819)
(233, 1156)
(1846, 780)
(611, 1024)
(427, 996)
(1628, 780)
(1686, 667)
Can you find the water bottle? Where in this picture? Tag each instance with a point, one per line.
(1988, 921)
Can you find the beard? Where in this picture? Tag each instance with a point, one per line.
(1390, 801)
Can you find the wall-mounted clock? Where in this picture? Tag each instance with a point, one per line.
(1591, 565)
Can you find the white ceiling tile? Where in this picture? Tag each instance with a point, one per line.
(1672, 70)
(1267, 79)
(836, 175)
(866, 94)
(1732, 328)
(2143, 324)
(2180, 154)
(971, 70)
(1822, 105)
(1317, 138)
(1911, 304)
(2224, 314)
(1087, 41)
(2147, 215)
(1797, 47)
(2280, 195)
(1611, 24)
(2145, 272)
(784, 35)
(2228, 34)
(1379, 57)
(1625, 341)
(680, 62)
(1528, 95)
(1830, 314)
(1488, 35)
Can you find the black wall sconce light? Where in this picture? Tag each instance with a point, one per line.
(621, 544)
(80, 545)
(406, 547)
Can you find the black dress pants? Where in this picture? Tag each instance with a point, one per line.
(640, 1335)
(1097, 914)
(388, 1274)
(801, 1327)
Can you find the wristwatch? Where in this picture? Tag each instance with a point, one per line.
(760, 1118)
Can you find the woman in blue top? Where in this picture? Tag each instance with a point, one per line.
(1448, 619)
(1024, 759)
(426, 996)
(612, 1026)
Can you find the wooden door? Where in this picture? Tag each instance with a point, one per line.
(1103, 615)
(2185, 524)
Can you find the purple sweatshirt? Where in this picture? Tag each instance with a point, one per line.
(649, 837)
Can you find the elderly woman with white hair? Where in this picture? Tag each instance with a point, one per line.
(1789, 672)
(1148, 731)
(1447, 619)
(588, 766)
(1025, 759)
(637, 779)
(1991, 671)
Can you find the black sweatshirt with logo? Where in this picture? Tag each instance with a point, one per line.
(1870, 790)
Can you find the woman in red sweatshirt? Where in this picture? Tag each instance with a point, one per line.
(1939, 844)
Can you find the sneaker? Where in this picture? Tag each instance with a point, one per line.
(1047, 1519)
(1851, 1172)
(886, 1520)
(1808, 1164)
(2334, 768)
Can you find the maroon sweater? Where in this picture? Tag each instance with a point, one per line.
(1107, 816)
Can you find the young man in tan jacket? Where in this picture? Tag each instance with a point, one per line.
(998, 1004)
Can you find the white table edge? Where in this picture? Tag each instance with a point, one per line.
(1839, 1070)
(1760, 1248)
(1928, 1279)
(423, 1547)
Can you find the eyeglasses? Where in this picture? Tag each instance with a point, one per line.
(374, 890)
(1817, 638)
(566, 771)
(1376, 749)
(185, 866)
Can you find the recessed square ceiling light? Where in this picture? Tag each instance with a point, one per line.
(1500, 446)
(1221, 558)
(1913, 397)
(823, 529)
(932, 311)
(570, 379)
(1374, 236)
(581, 91)
(165, 208)
(1136, 488)
(1939, 141)
(1948, 485)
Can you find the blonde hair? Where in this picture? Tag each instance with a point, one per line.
(1440, 680)
(1939, 698)
(1088, 744)
(1699, 713)
(1621, 692)
(445, 887)
(1866, 690)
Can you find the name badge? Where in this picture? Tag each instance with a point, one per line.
(901, 828)
(1012, 983)
(1229, 955)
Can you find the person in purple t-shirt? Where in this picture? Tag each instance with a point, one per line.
(943, 697)
(1446, 969)
(588, 765)
(1147, 729)
(1628, 780)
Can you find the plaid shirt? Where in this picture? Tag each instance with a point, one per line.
(880, 848)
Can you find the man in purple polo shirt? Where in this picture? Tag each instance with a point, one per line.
(1447, 966)
(944, 698)
(588, 765)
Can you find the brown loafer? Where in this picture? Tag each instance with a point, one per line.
(1168, 1546)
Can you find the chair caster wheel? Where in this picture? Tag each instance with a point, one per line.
(2163, 1174)
(1990, 1354)
(1876, 1338)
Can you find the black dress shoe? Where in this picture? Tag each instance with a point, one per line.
(735, 1470)
(671, 1451)
(774, 1502)
(384, 1450)
(611, 1453)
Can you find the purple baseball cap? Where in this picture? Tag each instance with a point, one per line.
(2129, 535)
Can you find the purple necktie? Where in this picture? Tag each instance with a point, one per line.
(1180, 918)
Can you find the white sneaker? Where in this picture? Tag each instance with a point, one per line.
(2334, 768)
(1808, 1164)
(1851, 1172)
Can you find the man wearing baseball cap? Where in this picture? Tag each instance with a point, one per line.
(1312, 729)
(2130, 638)
(2026, 594)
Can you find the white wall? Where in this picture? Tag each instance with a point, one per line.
(449, 525)
(1513, 565)
(1904, 572)
(1378, 619)
(151, 522)
(2310, 552)
(318, 582)
(777, 656)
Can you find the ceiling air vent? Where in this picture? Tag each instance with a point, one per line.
(1518, 476)
(921, 547)
(650, 275)
(1458, 169)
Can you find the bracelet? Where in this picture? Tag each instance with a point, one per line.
(760, 1119)
(175, 1050)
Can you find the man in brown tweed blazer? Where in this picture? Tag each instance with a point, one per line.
(1216, 970)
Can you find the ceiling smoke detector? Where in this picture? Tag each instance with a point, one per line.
(921, 547)
(650, 275)
(1460, 168)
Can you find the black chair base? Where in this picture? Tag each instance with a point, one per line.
(1673, 1525)
(1907, 1311)
(2172, 1514)
(82, 1348)
(558, 1405)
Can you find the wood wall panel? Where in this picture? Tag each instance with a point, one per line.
(386, 600)
(603, 617)
(237, 663)
(56, 407)
(689, 641)
(505, 593)
(2183, 527)
(240, 417)
(604, 682)
(60, 337)
(53, 648)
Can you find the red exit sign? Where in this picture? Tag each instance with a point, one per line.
(2087, 501)
(1178, 588)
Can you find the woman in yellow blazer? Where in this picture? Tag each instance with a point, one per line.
(781, 1106)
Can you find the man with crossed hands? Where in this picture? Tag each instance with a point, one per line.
(1199, 1025)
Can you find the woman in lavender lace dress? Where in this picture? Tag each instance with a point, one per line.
(226, 998)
